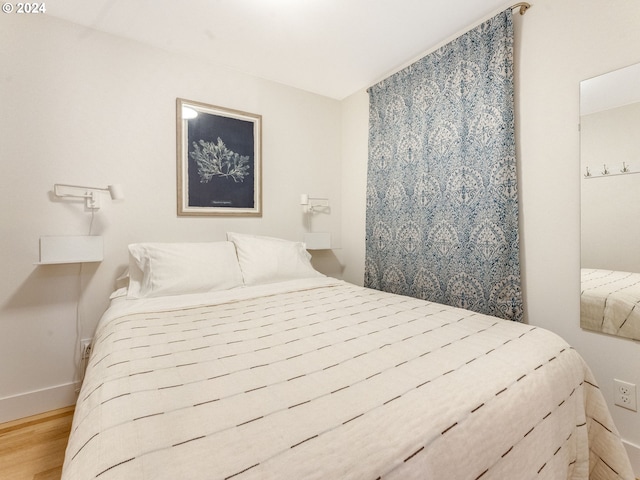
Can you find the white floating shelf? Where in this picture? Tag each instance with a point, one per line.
(71, 249)
(318, 241)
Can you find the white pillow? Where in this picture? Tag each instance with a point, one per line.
(157, 269)
(268, 260)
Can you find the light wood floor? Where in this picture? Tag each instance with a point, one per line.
(32, 448)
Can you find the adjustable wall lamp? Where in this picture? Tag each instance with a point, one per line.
(77, 248)
(311, 206)
(314, 204)
(90, 194)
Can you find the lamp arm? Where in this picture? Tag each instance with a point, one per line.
(79, 187)
(89, 193)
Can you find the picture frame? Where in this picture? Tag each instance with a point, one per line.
(219, 160)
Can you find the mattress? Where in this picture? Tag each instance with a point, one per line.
(321, 379)
(610, 302)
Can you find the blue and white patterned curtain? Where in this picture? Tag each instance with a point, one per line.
(442, 202)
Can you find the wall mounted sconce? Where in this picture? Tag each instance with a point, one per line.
(314, 204)
(311, 206)
(90, 194)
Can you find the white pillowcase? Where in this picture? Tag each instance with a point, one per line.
(268, 260)
(157, 269)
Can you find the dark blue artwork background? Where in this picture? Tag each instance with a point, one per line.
(238, 136)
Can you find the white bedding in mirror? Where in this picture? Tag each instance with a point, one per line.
(610, 302)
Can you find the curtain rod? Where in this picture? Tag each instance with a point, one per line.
(524, 6)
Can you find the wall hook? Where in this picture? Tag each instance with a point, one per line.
(588, 174)
(605, 171)
(625, 169)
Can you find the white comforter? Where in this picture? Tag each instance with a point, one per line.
(325, 380)
(610, 302)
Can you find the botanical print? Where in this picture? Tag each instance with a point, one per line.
(215, 159)
(219, 161)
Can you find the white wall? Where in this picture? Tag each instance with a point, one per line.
(610, 205)
(83, 107)
(558, 44)
(355, 131)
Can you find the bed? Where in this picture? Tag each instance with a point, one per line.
(610, 302)
(278, 372)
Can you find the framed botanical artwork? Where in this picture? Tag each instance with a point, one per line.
(219, 166)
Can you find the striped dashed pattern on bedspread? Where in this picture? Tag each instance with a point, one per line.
(336, 382)
(610, 302)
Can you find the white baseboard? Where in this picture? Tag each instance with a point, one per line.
(634, 455)
(38, 401)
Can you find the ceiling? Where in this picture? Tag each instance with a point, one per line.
(610, 90)
(329, 47)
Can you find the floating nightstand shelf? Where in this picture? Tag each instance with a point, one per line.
(71, 249)
(318, 241)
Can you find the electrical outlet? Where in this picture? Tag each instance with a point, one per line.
(625, 395)
(85, 348)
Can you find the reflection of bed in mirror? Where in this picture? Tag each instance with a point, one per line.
(610, 201)
(610, 302)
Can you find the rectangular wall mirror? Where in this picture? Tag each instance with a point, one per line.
(610, 202)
